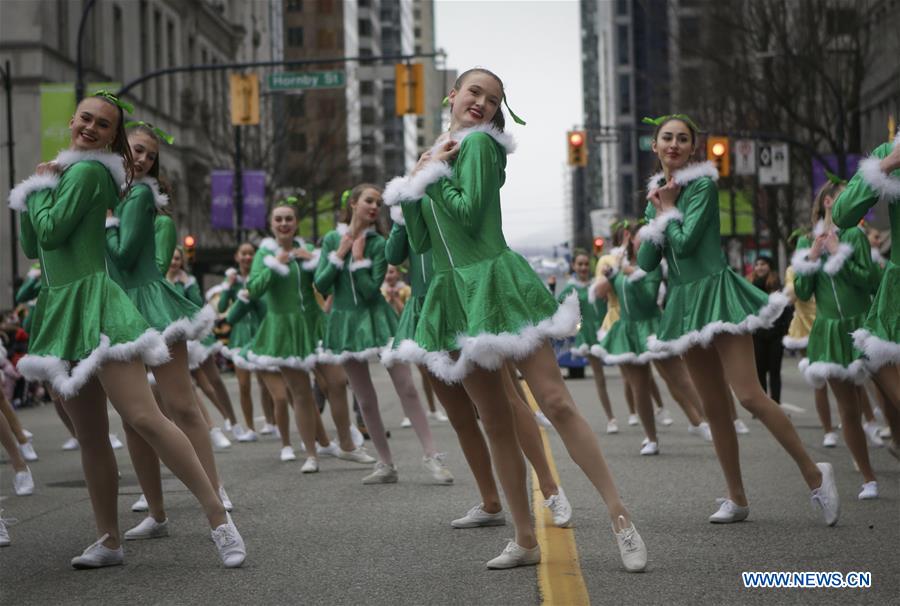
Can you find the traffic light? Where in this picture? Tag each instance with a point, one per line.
(244, 99)
(598, 245)
(409, 94)
(190, 249)
(578, 152)
(718, 152)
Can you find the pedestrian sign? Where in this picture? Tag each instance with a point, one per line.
(774, 164)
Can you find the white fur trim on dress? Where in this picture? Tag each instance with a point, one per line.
(275, 265)
(243, 363)
(188, 329)
(582, 351)
(112, 162)
(159, 198)
(19, 194)
(887, 186)
(836, 261)
(412, 188)
(397, 215)
(190, 282)
(765, 318)
(655, 230)
(488, 350)
(366, 355)
(335, 260)
(313, 262)
(361, 264)
(231, 271)
(506, 140)
(198, 353)
(270, 362)
(626, 358)
(67, 381)
(683, 176)
(112, 222)
(795, 343)
(244, 295)
(818, 373)
(802, 265)
(877, 351)
(592, 291)
(638, 274)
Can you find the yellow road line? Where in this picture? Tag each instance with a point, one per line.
(559, 573)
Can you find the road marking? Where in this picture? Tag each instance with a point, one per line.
(559, 573)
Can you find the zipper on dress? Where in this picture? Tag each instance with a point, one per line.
(441, 233)
(352, 286)
(625, 297)
(836, 300)
(44, 265)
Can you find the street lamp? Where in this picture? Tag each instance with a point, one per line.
(79, 61)
(6, 73)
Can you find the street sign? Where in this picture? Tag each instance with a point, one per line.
(306, 80)
(774, 164)
(602, 220)
(745, 157)
(645, 143)
(244, 99)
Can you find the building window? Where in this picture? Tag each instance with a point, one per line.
(689, 36)
(298, 142)
(365, 27)
(157, 55)
(624, 94)
(627, 193)
(118, 44)
(295, 36)
(325, 39)
(417, 32)
(420, 141)
(62, 25)
(367, 87)
(145, 42)
(326, 7)
(368, 115)
(622, 7)
(625, 150)
(296, 106)
(171, 45)
(622, 40)
(294, 6)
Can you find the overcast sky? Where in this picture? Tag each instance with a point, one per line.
(534, 46)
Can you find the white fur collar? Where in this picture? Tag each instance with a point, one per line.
(503, 138)
(685, 175)
(819, 228)
(897, 138)
(272, 244)
(574, 280)
(343, 228)
(159, 198)
(112, 162)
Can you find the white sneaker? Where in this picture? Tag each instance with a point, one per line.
(650, 448)
(382, 474)
(287, 454)
(740, 427)
(438, 470)
(514, 556)
(825, 497)
(98, 556)
(27, 452)
(227, 426)
(70, 444)
(437, 416)
(219, 441)
(4, 532)
(405, 423)
(229, 544)
(885, 433)
(478, 517)
(226, 502)
(310, 465)
(830, 440)
(140, 504)
(115, 442)
(268, 429)
(729, 512)
(612, 426)
(869, 491)
(701, 430)
(148, 528)
(249, 436)
(663, 417)
(633, 420)
(23, 483)
(631, 547)
(332, 450)
(357, 455)
(237, 430)
(28, 435)
(872, 431)
(543, 421)
(356, 436)
(559, 505)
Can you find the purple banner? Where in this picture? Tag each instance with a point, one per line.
(222, 193)
(254, 199)
(818, 170)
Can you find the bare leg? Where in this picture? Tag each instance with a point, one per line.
(333, 380)
(638, 378)
(305, 409)
(206, 387)
(847, 396)
(674, 373)
(223, 400)
(63, 416)
(207, 419)
(8, 440)
(426, 387)
(401, 377)
(654, 392)
(461, 412)
(629, 397)
(865, 406)
(15, 426)
(146, 467)
(888, 380)
(246, 395)
(361, 384)
(600, 380)
(265, 400)
(542, 374)
(823, 408)
(276, 387)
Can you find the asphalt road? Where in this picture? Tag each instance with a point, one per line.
(327, 539)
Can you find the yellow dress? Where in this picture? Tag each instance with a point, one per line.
(612, 303)
(804, 315)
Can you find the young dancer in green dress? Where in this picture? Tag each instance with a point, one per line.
(361, 325)
(131, 248)
(89, 341)
(878, 178)
(835, 266)
(486, 306)
(711, 312)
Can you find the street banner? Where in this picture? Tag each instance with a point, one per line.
(57, 107)
(745, 157)
(818, 169)
(774, 164)
(254, 199)
(222, 193)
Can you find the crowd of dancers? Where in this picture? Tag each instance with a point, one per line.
(114, 301)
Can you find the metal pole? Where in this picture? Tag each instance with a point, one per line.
(79, 59)
(10, 147)
(238, 187)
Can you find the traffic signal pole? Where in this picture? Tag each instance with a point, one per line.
(238, 187)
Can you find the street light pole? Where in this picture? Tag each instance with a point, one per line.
(6, 72)
(79, 58)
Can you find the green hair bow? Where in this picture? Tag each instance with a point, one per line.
(156, 130)
(834, 178)
(344, 197)
(290, 201)
(800, 231)
(446, 101)
(123, 105)
(663, 119)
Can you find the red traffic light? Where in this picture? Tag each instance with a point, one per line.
(576, 139)
(598, 244)
(189, 241)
